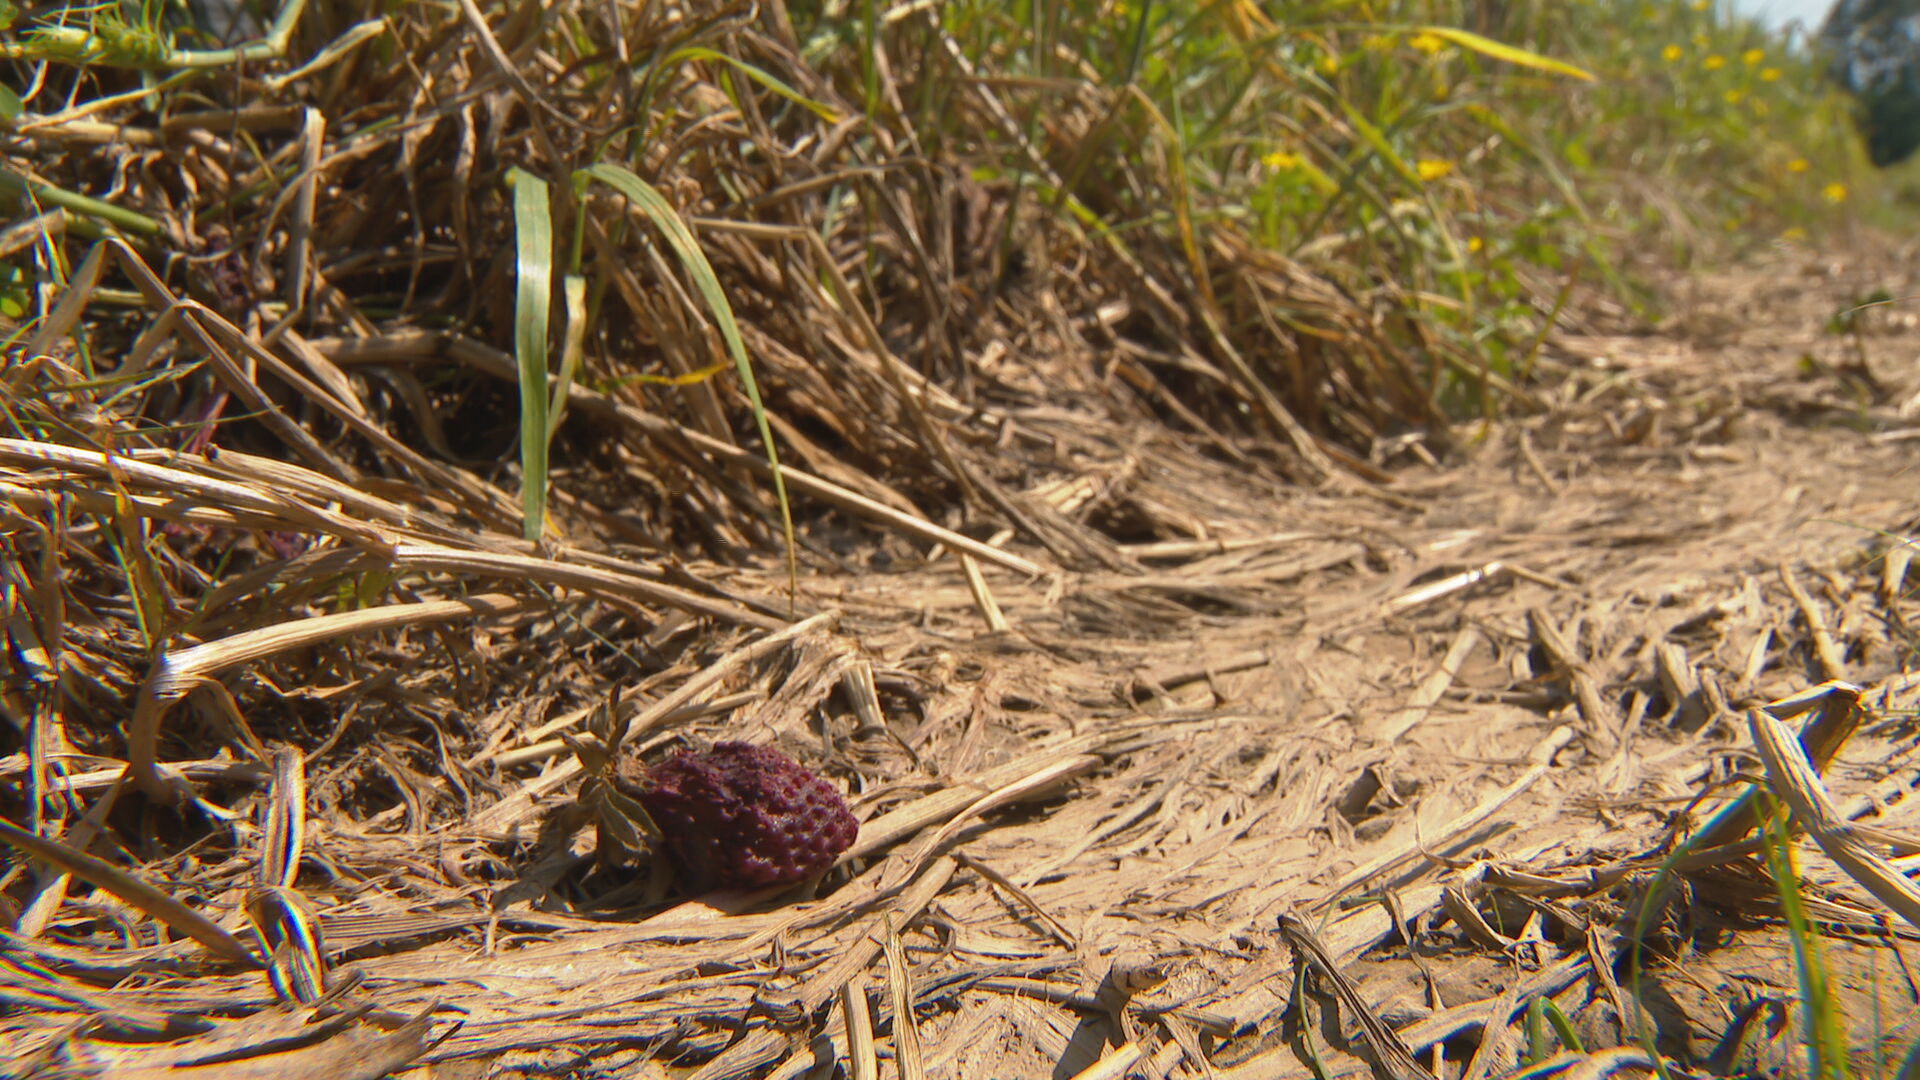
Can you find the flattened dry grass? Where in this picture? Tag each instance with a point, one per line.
(291, 692)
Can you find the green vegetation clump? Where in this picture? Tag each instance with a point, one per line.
(1360, 218)
(1457, 163)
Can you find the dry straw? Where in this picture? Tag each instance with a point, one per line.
(1076, 626)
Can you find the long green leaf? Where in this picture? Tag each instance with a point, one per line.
(759, 75)
(665, 218)
(1498, 51)
(48, 195)
(573, 347)
(1371, 134)
(1825, 1031)
(532, 302)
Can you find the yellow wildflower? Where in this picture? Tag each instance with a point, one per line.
(1753, 56)
(1431, 169)
(1329, 65)
(1715, 62)
(1281, 161)
(1428, 43)
(1734, 97)
(1771, 74)
(1475, 244)
(1672, 54)
(1799, 165)
(1835, 193)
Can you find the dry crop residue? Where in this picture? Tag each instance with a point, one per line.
(1512, 694)
(1476, 708)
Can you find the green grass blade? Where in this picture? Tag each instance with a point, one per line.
(1562, 1027)
(573, 347)
(1137, 46)
(1176, 162)
(144, 580)
(1508, 53)
(1306, 1042)
(1826, 1030)
(665, 218)
(756, 74)
(48, 195)
(532, 300)
(1544, 1023)
(1538, 1049)
(1371, 134)
(869, 56)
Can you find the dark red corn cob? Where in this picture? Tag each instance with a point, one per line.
(742, 816)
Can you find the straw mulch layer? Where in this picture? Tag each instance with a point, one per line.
(1187, 738)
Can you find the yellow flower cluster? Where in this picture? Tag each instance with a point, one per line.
(1743, 85)
(1834, 191)
(1673, 53)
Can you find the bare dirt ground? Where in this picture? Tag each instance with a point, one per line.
(1449, 727)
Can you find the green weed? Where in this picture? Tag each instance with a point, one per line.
(1461, 162)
